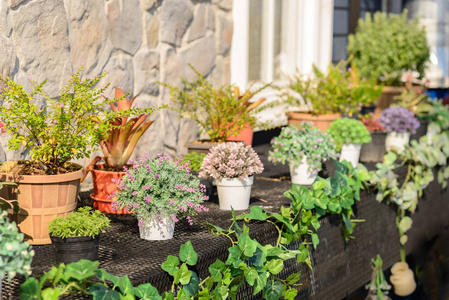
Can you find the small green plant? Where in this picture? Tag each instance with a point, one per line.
(293, 144)
(67, 128)
(438, 117)
(338, 90)
(413, 98)
(15, 255)
(388, 46)
(195, 159)
(348, 131)
(220, 112)
(84, 222)
(378, 287)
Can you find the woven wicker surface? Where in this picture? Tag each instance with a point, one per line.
(338, 268)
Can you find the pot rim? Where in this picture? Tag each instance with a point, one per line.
(106, 171)
(73, 239)
(44, 178)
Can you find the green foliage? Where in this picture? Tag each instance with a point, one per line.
(413, 98)
(293, 144)
(348, 131)
(389, 46)
(195, 159)
(378, 287)
(220, 112)
(337, 90)
(11, 206)
(84, 222)
(66, 128)
(15, 255)
(333, 195)
(438, 117)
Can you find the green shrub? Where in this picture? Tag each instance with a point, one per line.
(84, 222)
(388, 46)
(348, 131)
(195, 159)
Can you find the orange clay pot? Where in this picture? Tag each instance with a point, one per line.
(41, 199)
(323, 122)
(103, 188)
(246, 135)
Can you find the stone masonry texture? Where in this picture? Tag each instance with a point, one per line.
(138, 42)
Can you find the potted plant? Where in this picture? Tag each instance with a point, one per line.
(222, 113)
(305, 149)
(195, 160)
(61, 131)
(160, 191)
(399, 122)
(378, 288)
(117, 145)
(15, 254)
(373, 151)
(324, 96)
(349, 136)
(389, 46)
(77, 236)
(232, 166)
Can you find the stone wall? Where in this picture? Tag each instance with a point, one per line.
(137, 42)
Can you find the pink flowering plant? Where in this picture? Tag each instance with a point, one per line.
(231, 160)
(307, 141)
(161, 187)
(67, 127)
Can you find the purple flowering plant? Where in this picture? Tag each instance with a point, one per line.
(399, 119)
(231, 160)
(161, 187)
(293, 144)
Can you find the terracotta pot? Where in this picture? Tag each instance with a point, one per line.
(41, 199)
(386, 99)
(321, 121)
(103, 188)
(246, 135)
(402, 279)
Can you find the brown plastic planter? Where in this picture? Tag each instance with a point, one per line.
(323, 122)
(41, 199)
(104, 186)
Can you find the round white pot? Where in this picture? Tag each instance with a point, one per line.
(397, 141)
(157, 230)
(402, 279)
(300, 174)
(351, 153)
(234, 193)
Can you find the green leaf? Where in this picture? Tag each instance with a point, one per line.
(215, 270)
(182, 275)
(315, 223)
(147, 291)
(303, 253)
(50, 294)
(290, 294)
(191, 289)
(261, 281)
(315, 240)
(29, 289)
(168, 296)
(104, 275)
(390, 158)
(125, 286)
(80, 270)
(403, 239)
(170, 265)
(256, 213)
(234, 256)
(273, 290)
(293, 278)
(318, 185)
(101, 292)
(247, 245)
(257, 259)
(274, 266)
(187, 254)
(405, 224)
(251, 276)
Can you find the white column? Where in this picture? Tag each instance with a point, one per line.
(240, 41)
(268, 40)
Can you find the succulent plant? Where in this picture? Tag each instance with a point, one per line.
(348, 131)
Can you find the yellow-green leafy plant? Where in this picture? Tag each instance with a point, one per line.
(349, 131)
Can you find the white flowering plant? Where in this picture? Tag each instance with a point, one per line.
(231, 160)
(161, 187)
(307, 141)
(15, 254)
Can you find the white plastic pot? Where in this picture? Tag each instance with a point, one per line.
(157, 230)
(397, 141)
(300, 174)
(402, 279)
(234, 192)
(351, 153)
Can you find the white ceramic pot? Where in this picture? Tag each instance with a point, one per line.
(430, 133)
(234, 192)
(300, 174)
(157, 230)
(402, 279)
(397, 141)
(351, 153)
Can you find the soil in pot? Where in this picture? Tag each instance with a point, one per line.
(72, 249)
(41, 199)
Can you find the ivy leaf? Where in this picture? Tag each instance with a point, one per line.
(274, 266)
(80, 270)
(247, 245)
(290, 294)
(319, 184)
(168, 296)
(293, 278)
(273, 290)
(148, 292)
(125, 286)
(261, 281)
(251, 276)
(183, 274)
(256, 259)
(256, 213)
(234, 256)
(170, 265)
(303, 253)
(29, 289)
(315, 223)
(101, 292)
(191, 289)
(187, 254)
(315, 240)
(215, 270)
(51, 294)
